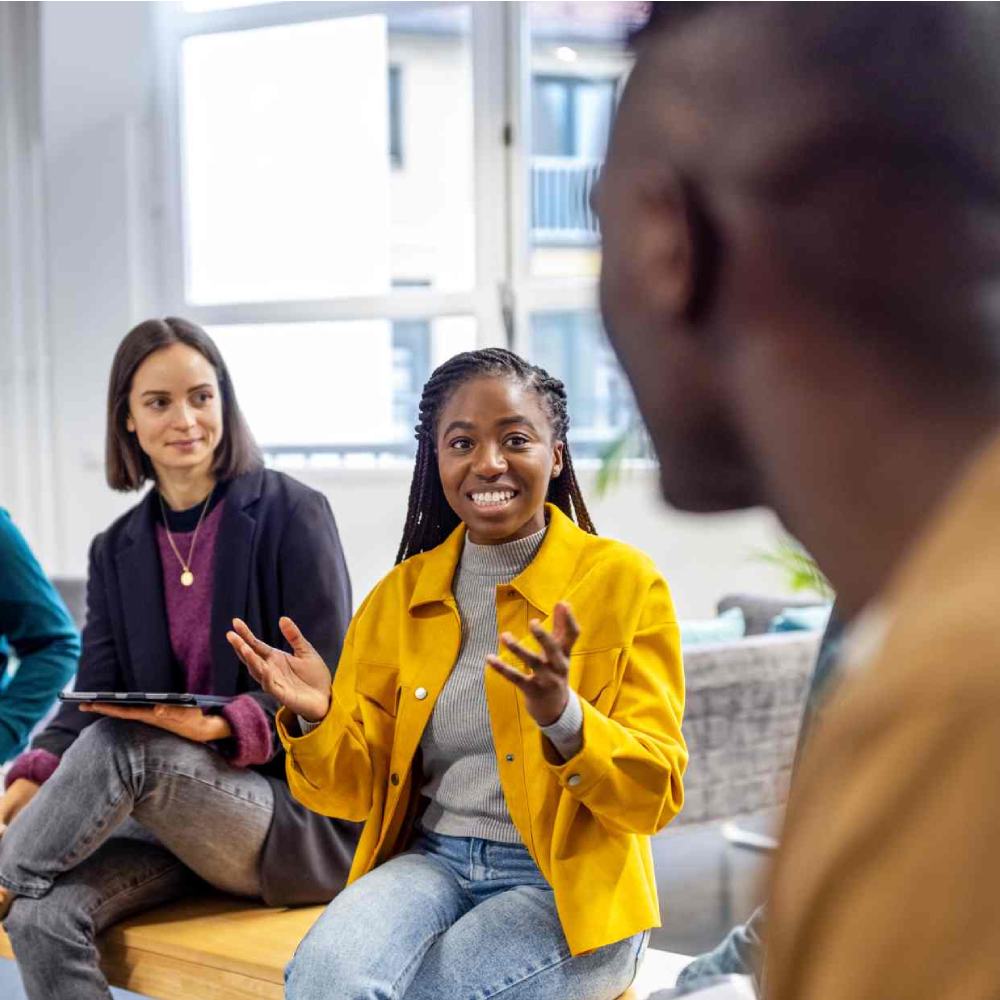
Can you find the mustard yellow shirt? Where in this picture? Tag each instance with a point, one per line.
(587, 820)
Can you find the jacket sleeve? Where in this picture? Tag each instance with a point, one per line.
(315, 592)
(629, 769)
(35, 623)
(99, 667)
(330, 769)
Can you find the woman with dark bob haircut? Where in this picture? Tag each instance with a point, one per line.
(131, 806)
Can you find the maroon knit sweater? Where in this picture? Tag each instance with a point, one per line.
(189, 617)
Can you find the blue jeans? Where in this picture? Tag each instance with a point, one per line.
(454, 918)
(739, 953)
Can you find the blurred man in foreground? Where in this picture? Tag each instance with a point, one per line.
(801, 219)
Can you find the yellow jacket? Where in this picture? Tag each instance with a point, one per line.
(586, 821)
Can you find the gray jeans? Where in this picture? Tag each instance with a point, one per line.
(133, 816)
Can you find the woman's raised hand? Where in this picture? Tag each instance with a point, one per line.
(545, 685)
(300, 679)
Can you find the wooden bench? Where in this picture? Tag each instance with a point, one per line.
(218, 948)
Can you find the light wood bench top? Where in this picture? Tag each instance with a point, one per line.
(219, 948)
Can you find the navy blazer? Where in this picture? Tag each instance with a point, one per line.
(277, 553)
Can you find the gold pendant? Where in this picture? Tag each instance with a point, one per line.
(187, 578)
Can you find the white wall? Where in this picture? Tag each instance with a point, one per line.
(98, 73)
(25, 443)
(100, 162)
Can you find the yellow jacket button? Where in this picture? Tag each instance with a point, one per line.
(420, 694)
(573, 780)
(394, 778)
(509, 757)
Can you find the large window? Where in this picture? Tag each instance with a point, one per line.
(571, 117)
(362, 191)
(600, 401)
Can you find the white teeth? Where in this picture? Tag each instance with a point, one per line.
(495, 496)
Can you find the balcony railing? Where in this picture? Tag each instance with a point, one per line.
(560, 201)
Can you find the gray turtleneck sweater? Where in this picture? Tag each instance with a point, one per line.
(459, 758)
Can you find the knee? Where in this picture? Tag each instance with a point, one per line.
(320, 962)
(33, 922)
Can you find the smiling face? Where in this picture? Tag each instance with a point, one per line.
(175, 410)
(496, 457)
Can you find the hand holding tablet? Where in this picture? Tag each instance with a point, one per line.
(143, 698)
(171, 712)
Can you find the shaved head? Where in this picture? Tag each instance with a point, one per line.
(800, 212)
(778, 87)
(859, 139)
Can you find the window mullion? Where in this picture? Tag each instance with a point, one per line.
(518, 153)
(398, 305)
(489, 72)
(270, 15)
(170, 219)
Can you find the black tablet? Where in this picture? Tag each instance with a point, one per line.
(144, 698)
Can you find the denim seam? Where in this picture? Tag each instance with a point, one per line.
(129, 890)
(175, 773)
(71, 860)
(419, 956)
(488, 992)
(548, 968)
(639, 953)
(32, 892)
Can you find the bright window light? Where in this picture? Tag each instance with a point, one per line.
(290, 186)
(355, 384)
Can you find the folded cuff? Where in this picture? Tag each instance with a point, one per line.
(566, 733)
(251, 732)
(35, 765)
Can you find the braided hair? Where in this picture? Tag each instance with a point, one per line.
(429, 518)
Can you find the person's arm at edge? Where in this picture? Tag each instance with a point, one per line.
(99, 668)
(39, 629)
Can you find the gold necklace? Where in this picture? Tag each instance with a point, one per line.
(187, 577)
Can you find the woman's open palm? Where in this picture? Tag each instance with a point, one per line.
(300, 679)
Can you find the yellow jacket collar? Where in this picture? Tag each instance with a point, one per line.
(542, 583)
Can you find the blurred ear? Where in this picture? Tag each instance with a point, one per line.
(678, 248)
(129, 423)
(705, 252)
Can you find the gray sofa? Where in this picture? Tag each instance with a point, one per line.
(73, 591)
(743, 709)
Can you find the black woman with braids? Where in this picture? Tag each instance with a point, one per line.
(509, 757)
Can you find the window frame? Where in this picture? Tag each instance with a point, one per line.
(572, 84)
(397, 117)
(505, 292)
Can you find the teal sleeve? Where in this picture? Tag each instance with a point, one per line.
(35, 624)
